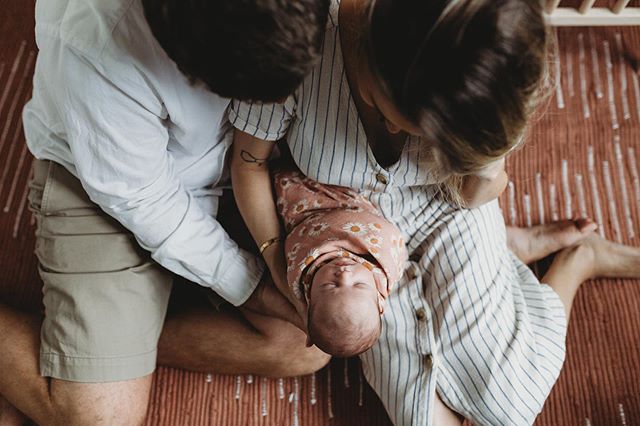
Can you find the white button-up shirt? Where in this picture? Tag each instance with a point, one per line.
(149, 148)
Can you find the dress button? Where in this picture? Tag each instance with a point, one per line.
(428, 361)
(382, 178)
(421, 314)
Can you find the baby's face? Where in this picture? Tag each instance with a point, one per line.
(343, 278)
(344, 315)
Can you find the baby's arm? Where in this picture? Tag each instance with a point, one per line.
(254, 195)
(486, 186)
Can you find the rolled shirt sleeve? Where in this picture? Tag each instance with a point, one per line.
(119, 143)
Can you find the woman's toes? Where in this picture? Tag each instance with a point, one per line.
(585, 225)
(568, 232)
(538, 242)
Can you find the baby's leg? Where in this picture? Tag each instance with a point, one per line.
(594, 257)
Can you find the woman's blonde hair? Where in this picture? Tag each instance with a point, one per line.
(469, 73)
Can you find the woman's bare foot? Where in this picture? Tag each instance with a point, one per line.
(537, 242)
(9, 415)
(592, 257)
(595, 257)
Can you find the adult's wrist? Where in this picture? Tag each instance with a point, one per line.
(269, 244)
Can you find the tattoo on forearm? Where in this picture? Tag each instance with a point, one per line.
(247, 157)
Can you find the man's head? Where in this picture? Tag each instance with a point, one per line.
(245, 49)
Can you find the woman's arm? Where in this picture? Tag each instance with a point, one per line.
(253, 192)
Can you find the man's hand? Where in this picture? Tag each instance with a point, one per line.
(267, 300)
(275, 259)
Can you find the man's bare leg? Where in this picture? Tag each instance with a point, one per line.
(57, 401)
(232, 342)
(9, 415)
(199, 339)
(593, 257)
(537, 242)
(20, 381)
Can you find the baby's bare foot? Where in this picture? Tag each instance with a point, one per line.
(537, 242)
(9, 415)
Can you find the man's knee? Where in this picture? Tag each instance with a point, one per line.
(99, 404)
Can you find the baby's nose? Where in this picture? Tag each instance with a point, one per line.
(343, 277)
(343, 269)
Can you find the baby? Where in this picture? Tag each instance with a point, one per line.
(342, 259)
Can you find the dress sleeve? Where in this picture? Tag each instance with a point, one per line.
(269, 122)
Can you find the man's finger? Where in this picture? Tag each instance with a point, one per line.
(280, 307)
(268, 301)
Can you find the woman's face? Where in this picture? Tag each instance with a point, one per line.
(373, 95)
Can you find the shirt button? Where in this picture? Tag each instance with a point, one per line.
(382, 178)
(421, 314)
(415, 273)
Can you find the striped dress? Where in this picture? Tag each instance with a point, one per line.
(467, 320)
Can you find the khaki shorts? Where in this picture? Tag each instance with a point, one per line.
(105, 299)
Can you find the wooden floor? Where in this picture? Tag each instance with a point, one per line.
(581, 158)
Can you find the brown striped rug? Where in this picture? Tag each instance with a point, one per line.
(581, 159)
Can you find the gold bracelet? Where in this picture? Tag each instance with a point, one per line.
(269, 243)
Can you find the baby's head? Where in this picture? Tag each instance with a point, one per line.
(344, 308)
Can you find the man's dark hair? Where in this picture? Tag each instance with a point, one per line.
(257, 50)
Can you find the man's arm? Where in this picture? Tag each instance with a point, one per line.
(119, 146)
